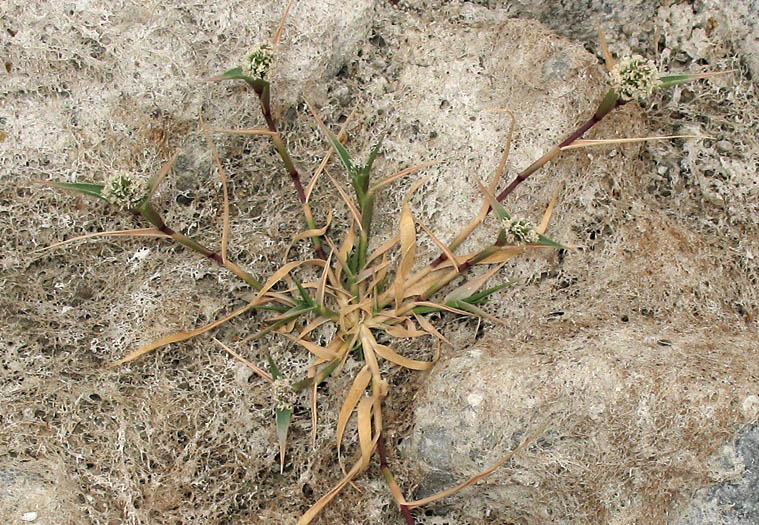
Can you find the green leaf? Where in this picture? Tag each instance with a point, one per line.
(503, 238)
(258, 84)
(275, 373)
(234, 73)
(673, 80)
(373, 155)
(283, 417)
(307, 300)
(287, 316)
(545, 241)
(345, 157)
(261, 87)
(273, 307)
(471, 308)
(481, 297)
(320, 376)
(500, 211)
(425, 309)
(93, 190)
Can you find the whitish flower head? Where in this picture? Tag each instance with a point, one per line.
(257, 62)
(520, 231)
(635, 78)
(282, 394)
(125, 190)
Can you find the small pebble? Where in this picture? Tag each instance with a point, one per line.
(29, 516)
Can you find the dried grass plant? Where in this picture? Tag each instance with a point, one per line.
(368, 294)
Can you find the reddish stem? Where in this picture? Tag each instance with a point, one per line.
(263, 96)
(384, 466)
(291, 170)
(600, 113)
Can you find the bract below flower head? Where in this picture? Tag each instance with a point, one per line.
(520, 231)
(125, 190)
(635, 78)
(257, 62)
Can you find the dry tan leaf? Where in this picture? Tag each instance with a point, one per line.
(312, 395)
(608, 58)
(482, 475)
(419, 287)
(313, 325)
(364, 424)
(407, 332)
(504, 254)
(180, 336)
(367, 344)
(472, 286)
(345, 349)
(284, 270)
(164, 171)
(492, 201)
(225, 193)
(352, 207)
(395, 490)
(281, 26)
(317, 507)
(430, 328)
(319, 351)
(316, 232)
(403, 173)
(345, 249)
(584, 143)
(341, 136)
(261, 372)
(442, 307)
(246, 131)
(504, 158)
(543, 226)
(381, 273)
(372, 270)
(137, 232)
(321, 290)
(485, 208)
(448, 253)
(357, 389)
(382, 249)
(408, 244)
(385, 352)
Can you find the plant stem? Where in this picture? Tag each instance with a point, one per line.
(263, 96)
(385, 469)
(367, 212)
(487, 252)
(610, 102)
(155, 219)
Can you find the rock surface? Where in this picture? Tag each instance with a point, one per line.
(733, 501)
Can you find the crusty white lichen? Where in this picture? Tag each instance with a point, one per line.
(520, 231)
(635, 78)
(257, 61)
(125, 190)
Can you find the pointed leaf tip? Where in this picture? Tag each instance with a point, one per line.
(93, 190)
(283, 417)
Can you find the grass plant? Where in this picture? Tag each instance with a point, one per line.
(369, 294)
